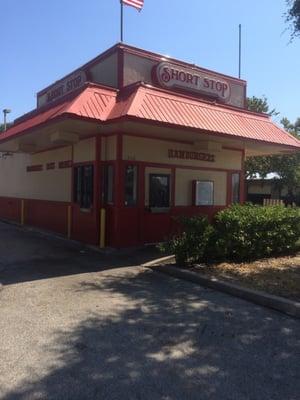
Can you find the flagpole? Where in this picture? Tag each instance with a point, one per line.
(122, 16)
(240, 50)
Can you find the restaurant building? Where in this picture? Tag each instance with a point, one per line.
(117, 148)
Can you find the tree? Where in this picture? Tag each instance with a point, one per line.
(287, 167)
(260, 105)
(259, 165)
(2, 126)
(293, 17)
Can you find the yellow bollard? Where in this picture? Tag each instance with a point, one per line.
(69, 221)
(22, 212)
(102, 228)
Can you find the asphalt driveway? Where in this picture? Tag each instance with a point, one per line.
(75, 324)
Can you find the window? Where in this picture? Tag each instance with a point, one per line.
(131, 185)
(159, 191)
(235, 187)
(204, 193)
(108, 184)
(84, 186)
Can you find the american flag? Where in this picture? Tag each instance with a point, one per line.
(134, 3)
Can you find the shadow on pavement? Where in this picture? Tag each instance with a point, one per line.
(30, 255)
(174, 340)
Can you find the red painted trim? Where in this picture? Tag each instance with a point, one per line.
(10, 208)
(72, 177)
(76, 164)
(65, 164)
(173, 186)
(46, 214)
(50, 165)
(118, 192)
(229, 188)
(35, 168)
(243, 195)
(97, 185)
(119, 173)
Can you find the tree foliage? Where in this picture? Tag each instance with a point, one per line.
(293, 16)
(260, 105)
(2, 126)
(287, 167)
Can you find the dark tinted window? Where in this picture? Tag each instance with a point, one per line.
(84, 185)
(131, 185)
(159, 190)
(108, 184)
(236, 188)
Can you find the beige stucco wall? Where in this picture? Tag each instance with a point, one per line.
(53, 185)
(85, 150)
(13, 175)
(156, 151)
(150, 170)
(109, 148)
(184, 185)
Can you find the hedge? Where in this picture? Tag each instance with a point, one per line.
(238, 233)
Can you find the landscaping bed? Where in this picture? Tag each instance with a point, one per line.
(252, 246)
(279, 276)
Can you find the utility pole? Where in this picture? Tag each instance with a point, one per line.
(5, 112)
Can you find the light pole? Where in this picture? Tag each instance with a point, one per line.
(5, 112)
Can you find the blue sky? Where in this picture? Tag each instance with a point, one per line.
(44, 40)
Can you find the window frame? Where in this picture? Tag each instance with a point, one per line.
(162, 175)
(135, 185)
(212, 193)
(84, 189)
(105, 185)
(233, 174)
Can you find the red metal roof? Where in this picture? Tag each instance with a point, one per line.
(157, 105)
(93, 102)
(146, 103)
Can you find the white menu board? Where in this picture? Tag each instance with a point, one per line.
(204, 193)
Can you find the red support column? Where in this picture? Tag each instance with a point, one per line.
(242, 181)
(97, 184)
(229, 189)
(141, 202)
(119, 190)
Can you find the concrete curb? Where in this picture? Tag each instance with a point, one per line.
(289, 307)
(158, 261)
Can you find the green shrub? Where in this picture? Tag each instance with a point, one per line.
(239, 233)
(244, 232)
(190, 245)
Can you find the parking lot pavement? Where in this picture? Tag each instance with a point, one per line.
(76, 324)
